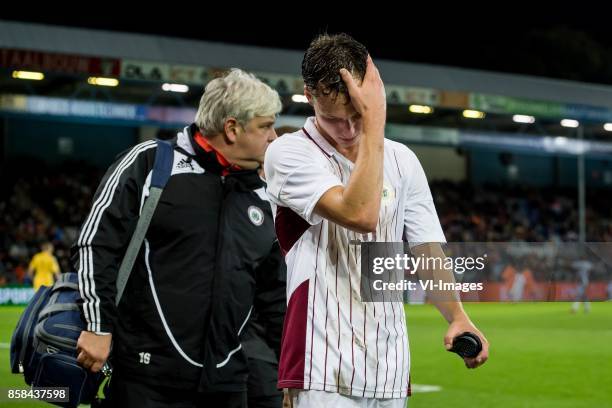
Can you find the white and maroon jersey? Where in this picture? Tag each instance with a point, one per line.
(332, 339)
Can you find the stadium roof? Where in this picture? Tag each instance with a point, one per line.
(69, 40)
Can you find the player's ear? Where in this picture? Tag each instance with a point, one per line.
(308, 95)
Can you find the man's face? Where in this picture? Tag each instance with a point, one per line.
(253, 140)
(337, 118)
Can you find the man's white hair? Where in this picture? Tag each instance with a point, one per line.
(239, 95)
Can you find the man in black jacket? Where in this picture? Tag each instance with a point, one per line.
(209, 254)
(261, 342)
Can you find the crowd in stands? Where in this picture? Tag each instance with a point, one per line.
(50, 204)
(37, 205)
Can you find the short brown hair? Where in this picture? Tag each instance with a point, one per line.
(324, 58)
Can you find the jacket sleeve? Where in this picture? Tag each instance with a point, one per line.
(270, 297)
(106, 232)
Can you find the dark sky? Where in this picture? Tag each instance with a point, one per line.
(566, 46)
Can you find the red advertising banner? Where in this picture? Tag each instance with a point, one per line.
(63, 63)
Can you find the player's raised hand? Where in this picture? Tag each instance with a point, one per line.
(368, 98)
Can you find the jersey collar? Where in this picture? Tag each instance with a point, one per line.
(312, 133)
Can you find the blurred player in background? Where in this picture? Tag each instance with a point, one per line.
(44, 267)
(583, 268)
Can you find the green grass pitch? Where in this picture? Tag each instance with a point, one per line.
(541, 356)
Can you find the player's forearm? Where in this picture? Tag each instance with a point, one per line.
(447, 302)
(451, 310)
(363, 193)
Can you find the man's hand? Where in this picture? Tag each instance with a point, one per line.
(460, 326)
(369, 98)
(93, 350)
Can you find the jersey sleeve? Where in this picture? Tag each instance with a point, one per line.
(297, 178)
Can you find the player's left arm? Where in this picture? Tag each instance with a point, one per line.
(422, 230)
(56, 268)
(449, 303)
